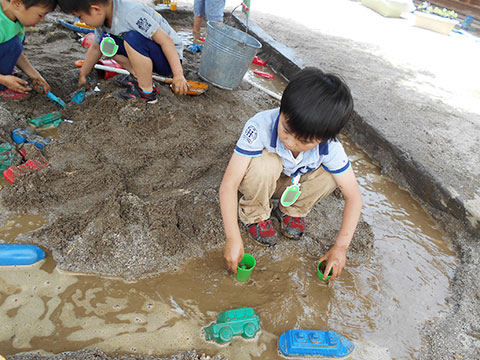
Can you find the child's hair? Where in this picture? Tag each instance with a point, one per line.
(52, 4)
(316, 105)
(70, 6)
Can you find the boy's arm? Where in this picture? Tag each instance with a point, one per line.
(336, 257)
(179, 84)
(232, 178)
(91, 58)
(39, 83)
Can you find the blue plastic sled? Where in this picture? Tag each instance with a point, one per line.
(75, 27)
(313, 343)
(20, 254)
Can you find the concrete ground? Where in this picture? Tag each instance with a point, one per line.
(417, 101)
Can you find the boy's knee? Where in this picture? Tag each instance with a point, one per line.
(9, 53)
(12, 47)
(267, 164)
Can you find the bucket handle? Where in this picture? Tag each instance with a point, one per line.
(247, 13)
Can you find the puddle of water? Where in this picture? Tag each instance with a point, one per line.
(19, 225)
(275, 85)
(381, 304)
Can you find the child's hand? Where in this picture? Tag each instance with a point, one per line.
(82, 81)
(40, 85)
(179, 85)
(16, 84)
(336, 259)
(233, 253)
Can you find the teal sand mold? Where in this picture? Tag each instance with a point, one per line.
(233, 322)
(20, 254)
(314, 343)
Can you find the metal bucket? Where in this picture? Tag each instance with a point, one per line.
(226, 56)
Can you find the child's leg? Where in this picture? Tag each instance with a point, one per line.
(9, 54)
(214, 10)
(146, 56)
(141, 56)
(198, 15)
(258, 186)
(315, 186)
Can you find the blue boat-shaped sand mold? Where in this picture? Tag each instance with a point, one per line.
(298, 343)
(75, 27)
(20, 254)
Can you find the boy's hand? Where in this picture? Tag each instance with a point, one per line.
(16, 84)
(82, 81)
(336, 259)
(234, 252)
(40, 85)
(179, 85)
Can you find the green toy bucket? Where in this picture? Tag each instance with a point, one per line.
(245, 267)
(321, 269)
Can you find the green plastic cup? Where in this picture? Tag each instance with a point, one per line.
(245, 267)
(321, 269)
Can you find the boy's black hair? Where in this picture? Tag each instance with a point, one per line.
(52, 4)
(316, 105)
(70, 6)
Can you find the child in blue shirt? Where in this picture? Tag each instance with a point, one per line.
(292, 153)
(14, 16)
(142, 40)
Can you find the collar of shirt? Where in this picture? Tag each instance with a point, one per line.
(322, 147)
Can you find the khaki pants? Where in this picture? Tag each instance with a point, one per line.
(264, 180)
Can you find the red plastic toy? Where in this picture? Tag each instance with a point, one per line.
(111, 63)
(13, 171)
(87, 40)
(264, 74)
(23, 153)
(257, 61)
(201, 38)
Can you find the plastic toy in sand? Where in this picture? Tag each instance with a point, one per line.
(264, 74)
(50, 120)
(110, 63)
(314, 343)
(20, 254)
(56, 99)
(21, 136)
(257, 61)
(14, 171)
(77, 27)
(194, 48)
(79, 95)
(8, 156)
(87, 40)
(233, 322)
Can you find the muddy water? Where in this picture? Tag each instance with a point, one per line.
(381, 304)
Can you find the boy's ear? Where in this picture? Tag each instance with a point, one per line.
(95, 9)
(17, 4)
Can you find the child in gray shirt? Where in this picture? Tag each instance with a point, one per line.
(137, 37)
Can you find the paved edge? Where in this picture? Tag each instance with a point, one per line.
(396, 163)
